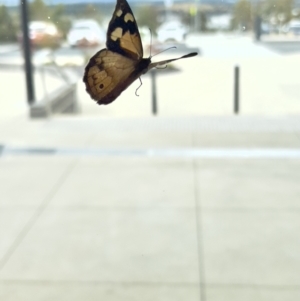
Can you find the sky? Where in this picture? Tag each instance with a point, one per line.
(16, 2)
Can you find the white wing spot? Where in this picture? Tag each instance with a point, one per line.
(119, 13)
(116, 34)
(128, 17)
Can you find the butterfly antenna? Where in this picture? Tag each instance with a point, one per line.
(173, 47)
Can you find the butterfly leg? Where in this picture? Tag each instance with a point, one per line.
(138, 87)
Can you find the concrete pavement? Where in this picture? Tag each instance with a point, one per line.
(116, 215)
(195, 204)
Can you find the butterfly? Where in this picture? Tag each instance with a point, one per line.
(113, 69)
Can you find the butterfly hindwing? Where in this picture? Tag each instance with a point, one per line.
(108, 74)
(123, 35)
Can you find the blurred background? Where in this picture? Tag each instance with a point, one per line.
(260, 37)
(189, 191)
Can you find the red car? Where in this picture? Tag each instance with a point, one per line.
(43, 34)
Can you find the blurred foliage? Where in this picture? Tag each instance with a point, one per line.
(38, 11)
(92, 12)
(8, 29)
(189, 20)
(56, 14)
(296, 14)
(60, 19)
(277, 11)
(274, 11)
(242, 15)
(146, 15)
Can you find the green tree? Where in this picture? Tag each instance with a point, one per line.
(38, 11)
(147, 16)
(91, 12)
(242, 14)
(278, 11)
(188, 18)
(8, 31)
(59, 18)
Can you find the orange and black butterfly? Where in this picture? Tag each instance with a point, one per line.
(113, 69)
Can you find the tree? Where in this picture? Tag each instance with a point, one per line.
(277, 11)
(188, 18)
(38, 11)
(242, 14)
(91, 12)
(59, 18)
(147, 16)
(8, 31)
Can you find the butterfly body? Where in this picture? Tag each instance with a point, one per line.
(113, 69)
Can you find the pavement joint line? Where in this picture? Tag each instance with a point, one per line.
(276, 287)
(199, 236)
(37, 213)
(1, 149)
(222, 153)
(99, 282)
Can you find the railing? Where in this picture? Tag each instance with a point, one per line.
(61, 100)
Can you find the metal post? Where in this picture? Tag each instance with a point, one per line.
(236, 89)
(196, 17)
(154, 99)
(257, 26)
(257, 19)
(27, 53)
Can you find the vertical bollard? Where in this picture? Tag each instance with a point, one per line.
(257, 27)
(27, 53)
(153, 84)
(236, 89)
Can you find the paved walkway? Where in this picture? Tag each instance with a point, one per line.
(150, 208)
(192, 205)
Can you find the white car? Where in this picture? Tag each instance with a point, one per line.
(86, 33)
(294, 27)
(42, 34)
(171, 31)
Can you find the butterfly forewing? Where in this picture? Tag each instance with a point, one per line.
(123, 35)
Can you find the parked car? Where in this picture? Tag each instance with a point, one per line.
(265, 28)
(294, 27)
(171, 31)
(42, 34)
(86, 33)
